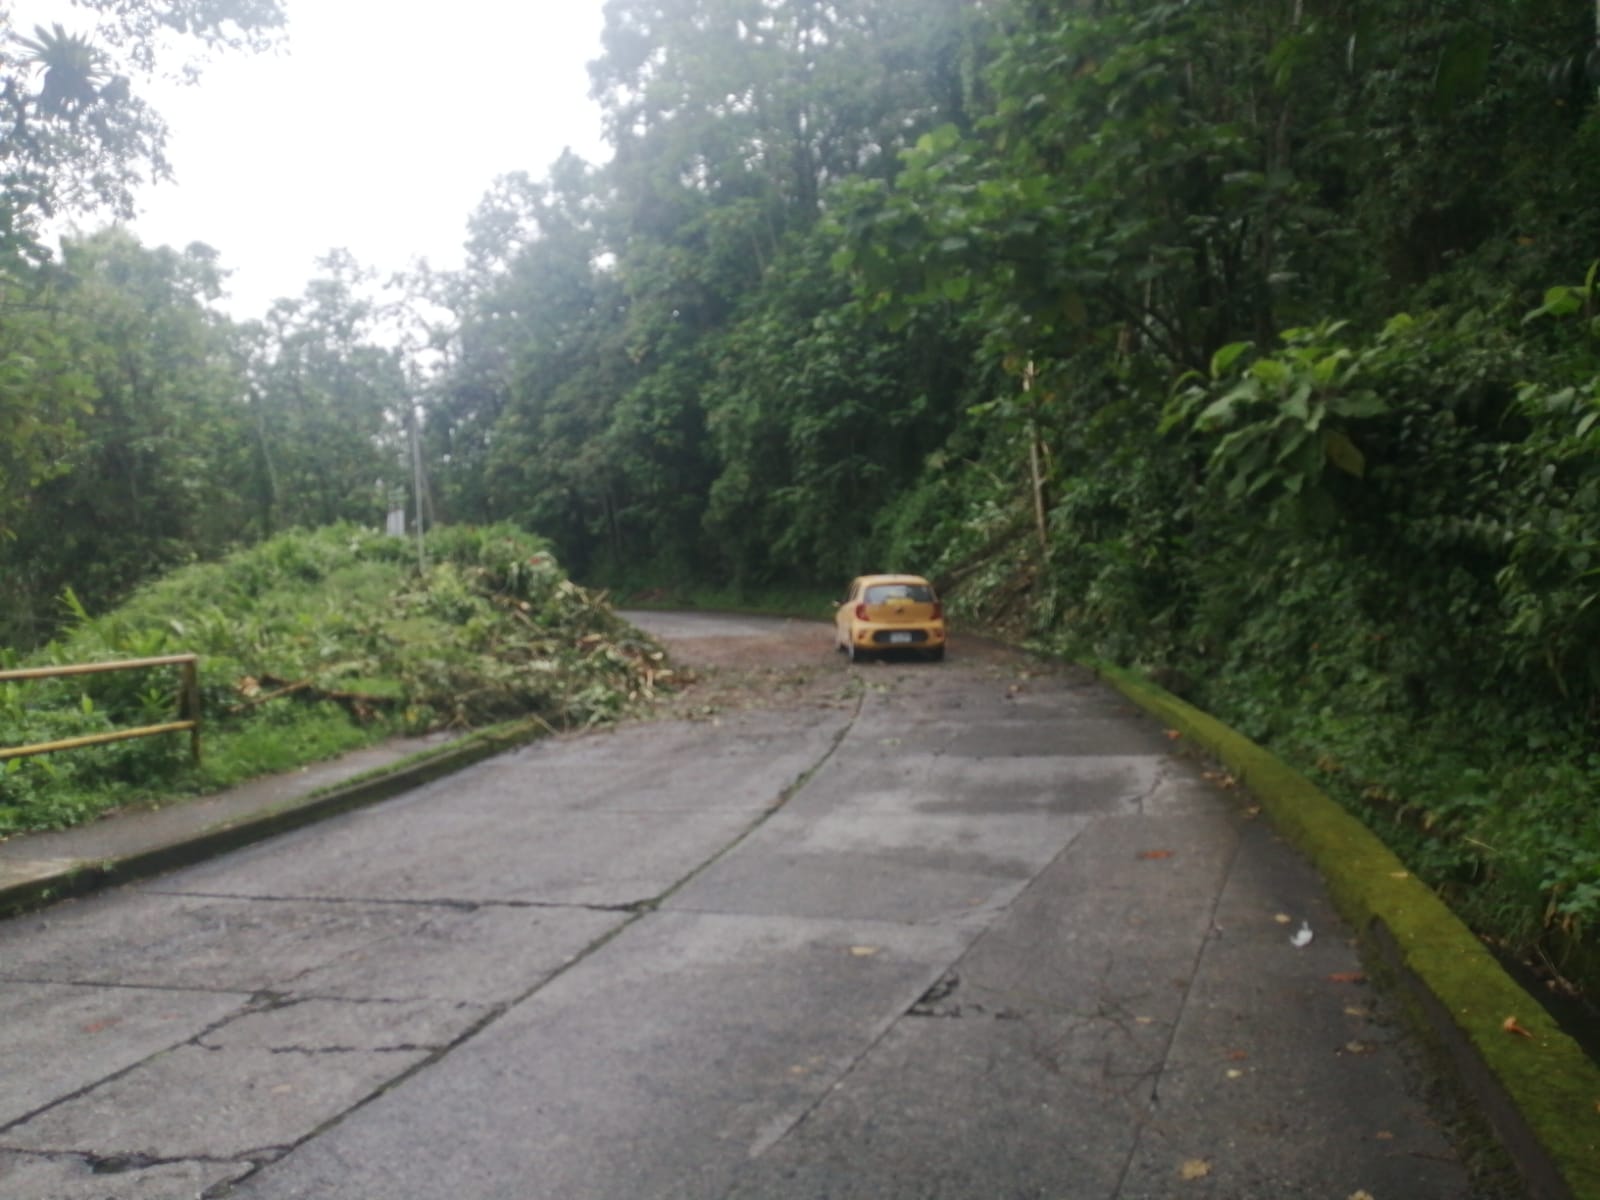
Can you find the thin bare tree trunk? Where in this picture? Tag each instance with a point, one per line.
(1036, 472)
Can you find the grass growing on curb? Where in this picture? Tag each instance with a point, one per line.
(313, 644)
(1552, 1086)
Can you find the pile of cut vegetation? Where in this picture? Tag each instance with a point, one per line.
(310, 644)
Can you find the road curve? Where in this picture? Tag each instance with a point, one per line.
(970, 930)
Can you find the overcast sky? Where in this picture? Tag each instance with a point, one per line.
(378, 130)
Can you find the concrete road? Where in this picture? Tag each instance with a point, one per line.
(969, 931)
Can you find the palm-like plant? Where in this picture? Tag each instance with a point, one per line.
(73, 70)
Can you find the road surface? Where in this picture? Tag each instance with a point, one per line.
(903, 932)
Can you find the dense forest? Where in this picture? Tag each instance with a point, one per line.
(1252, 343)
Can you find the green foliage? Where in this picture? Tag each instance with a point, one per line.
(820, 420)
(1087, 310)
(147, 479)
(1286, 418)
(149, 431)
(1551, 582)
(312, 643)
(632, 379)
(78, 136)
(1367, 540)
(328, 404)
(44, 392)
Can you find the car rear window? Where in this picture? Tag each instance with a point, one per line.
(882, 593)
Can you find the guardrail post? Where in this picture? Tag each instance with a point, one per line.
(191, 707)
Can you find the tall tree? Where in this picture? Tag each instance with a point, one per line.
(77, 136)
(329, 397)
(149, 478)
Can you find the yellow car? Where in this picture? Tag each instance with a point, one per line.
(890, 612)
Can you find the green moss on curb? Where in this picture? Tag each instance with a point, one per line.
(1541, 1093)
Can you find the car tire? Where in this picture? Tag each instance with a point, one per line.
(855, 653)
(936, 654)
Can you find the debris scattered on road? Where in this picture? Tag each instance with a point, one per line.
(1510, 1025)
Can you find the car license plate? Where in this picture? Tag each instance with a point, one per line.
(899, 637)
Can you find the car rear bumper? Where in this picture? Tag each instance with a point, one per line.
(897, 637)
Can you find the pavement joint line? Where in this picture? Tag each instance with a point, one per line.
(933, 976)
(801, 919)
(493, 1013)
(1540, 1097)
(131, 987)
(1206, 942)
(792, 790)
(84, 875)
(257, 1158)
(22, 891)
(121, 1164)
(453, 905)
(775, 1135)
(248, 1007)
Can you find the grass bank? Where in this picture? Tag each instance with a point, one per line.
(311, 644)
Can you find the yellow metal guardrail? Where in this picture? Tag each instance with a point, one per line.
(188, 703)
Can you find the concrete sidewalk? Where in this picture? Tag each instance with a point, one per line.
(40, 868)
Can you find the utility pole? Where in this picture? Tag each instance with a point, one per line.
(416, 482)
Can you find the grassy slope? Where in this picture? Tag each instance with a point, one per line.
(312, 644)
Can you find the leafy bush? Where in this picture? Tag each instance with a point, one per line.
(311, 643)
(1374, 552)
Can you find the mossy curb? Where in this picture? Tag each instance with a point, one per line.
(379, 784)
(1540, 1093)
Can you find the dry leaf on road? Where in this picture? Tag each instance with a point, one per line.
(1194, 1168)
(1149, 854)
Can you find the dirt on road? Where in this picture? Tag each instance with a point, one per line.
(792, 661)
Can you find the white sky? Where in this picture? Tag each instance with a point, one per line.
(378, 130)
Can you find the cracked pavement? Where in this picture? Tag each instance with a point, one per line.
(970, 931)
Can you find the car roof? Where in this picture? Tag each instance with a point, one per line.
(872, 579)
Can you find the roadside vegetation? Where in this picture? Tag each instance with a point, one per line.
(312, 644)
(1252, 345)
(816, 603)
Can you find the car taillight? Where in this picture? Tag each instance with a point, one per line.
(938, 611)
(861, 612)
